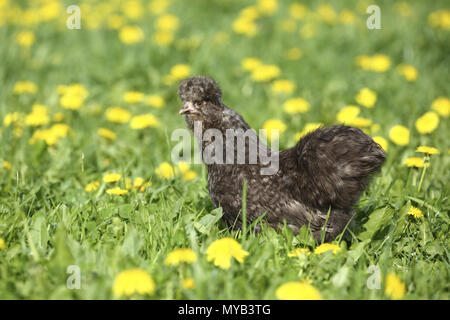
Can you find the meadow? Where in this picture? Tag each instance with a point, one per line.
(91, 206)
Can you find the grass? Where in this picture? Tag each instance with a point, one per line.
(48, 222)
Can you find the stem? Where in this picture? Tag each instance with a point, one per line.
(425, 165)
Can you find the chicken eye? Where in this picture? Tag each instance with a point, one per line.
(199, 104)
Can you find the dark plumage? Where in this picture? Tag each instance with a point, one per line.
(327, 168)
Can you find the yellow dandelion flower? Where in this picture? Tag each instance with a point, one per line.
(221, 251)
(38, 116)
(296, 290)
(283, 86)
(347, 114)
(440, 19)
(294, 54)
(133, 9)
(250, 64)
(115, 21)
(361, 122)
(267, 7)
(180, 71)
(408, 72)
(347, 17)
(364, 62)
(399, 135)
(133, 96)
(427, 150)
(178, 256)
(163, 38)
(415, 212)
(73, 96)
(442, 106)
(117, 115)
(130, 282)
(427, 123)
(326, 13)
(395, 288)
(298, 11)
(144, 121)
(245, 26)
(167, 22)
(5, 164)
(380, 63)
(58, 117)
(188, 284)
(2, 244)
(12, 118)
(299, 251)
(324, 247)
(309, 127)
(60, 130)
(106, 133)
(273, 124)
(138, 183)
(158, 7)
(415, 162)
(382, 142)
(92, 186)
(155, 101)
(366, 97)
(131, 34)
(24, 87)
(117, 191)
(296, 105)
(249, 12)
(165, 171)
(264, 73)
(111, 177)
(25, 38)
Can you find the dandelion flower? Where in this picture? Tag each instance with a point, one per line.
(25, 38)
(92, 186)
(167, 22)
(415, 212)
(138, 182)
(366, 97)
(395, 288)
(154, 101)
(296, 105)
(117, 115)
(264, 73)
(163, 38)
(245, 26)
(427, 150)
(133, 96)
(298, 11)
(2, 244)
(275, 125)
(299, 251)
(347, 114)
(178, 256)
(117, 191)
(131, 34)
(221, 251)
(111, 177)
(188, 284)
(427, 123)
(250, 64)
(24, 87)
(106, 133)
(73, 96)
(38, 116)
(380, 63)
(283, 86)
(130, 282)
(267, 7)
(180, 71)
(296, 290)
(165, 171)
(324, 247)
(144, 121)
(408, 72)
(415, 162)
(399, 135)
(442, 106)
(382, 142)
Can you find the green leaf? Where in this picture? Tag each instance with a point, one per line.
(205, 224)
(377, 220)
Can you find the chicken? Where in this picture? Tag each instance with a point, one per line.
(323, 174)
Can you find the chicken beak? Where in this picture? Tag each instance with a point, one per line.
(188, 108)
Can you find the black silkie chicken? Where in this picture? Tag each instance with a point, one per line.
(326, 171)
